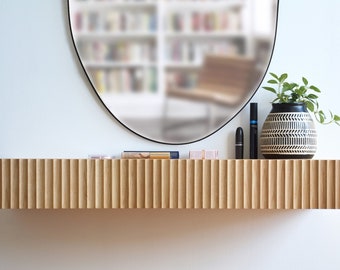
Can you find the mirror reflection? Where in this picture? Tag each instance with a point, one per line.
(174, 71)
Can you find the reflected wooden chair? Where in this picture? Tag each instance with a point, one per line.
(223, 81)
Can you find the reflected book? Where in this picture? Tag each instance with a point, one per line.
(150, 155)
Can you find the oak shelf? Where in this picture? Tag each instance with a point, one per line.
(200, 184)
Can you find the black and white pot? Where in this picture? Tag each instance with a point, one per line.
(288, 132)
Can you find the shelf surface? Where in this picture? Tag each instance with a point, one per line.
(207, 184)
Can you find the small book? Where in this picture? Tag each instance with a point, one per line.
(150, 155)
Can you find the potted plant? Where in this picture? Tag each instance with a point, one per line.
(289, 130)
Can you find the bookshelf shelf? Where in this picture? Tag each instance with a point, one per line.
(206, 34)
(113, 64)
(107, 35)
(208, 5)
(93, 5)
(182, 64)
(177, 184)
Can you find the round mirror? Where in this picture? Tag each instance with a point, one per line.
(174, 71)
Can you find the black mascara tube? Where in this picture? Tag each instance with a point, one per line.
(239, 143)
(253, 131)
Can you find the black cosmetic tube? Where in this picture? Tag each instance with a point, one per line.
(239, 143)
(253, 131)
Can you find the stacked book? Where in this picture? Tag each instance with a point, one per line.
(125, 80)
(150, 155)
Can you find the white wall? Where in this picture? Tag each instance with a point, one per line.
(47, 109)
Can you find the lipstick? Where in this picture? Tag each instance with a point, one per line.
(239, 143)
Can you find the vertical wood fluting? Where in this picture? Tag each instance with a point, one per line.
(173, 184)
(148, 184)
(256, 184)
(22, 183)
(165, 183)
(182, 183)
(48, 183)
(223, 184)
(330, 184)
(289, 175)
(214, 202)
(90, 183)
(140, 183)
(190, 175)
(56, 184)
(305, 184)
(6, 184)
(322, 179)
(74, 183)
(40, 183)
(82, 183)
(337, 184)
(14, 184)
(124, 183)
(206, 184)
(272, 184)
(99, 183)
(297, 183)
(107, 189)
(1, 161)
(31, 184)
(65, 183)
(157, 181)
(314, 186)
(115, 183)
(198, 182)
(239, 184)
(280, 184)
(132, 186)
(233, 184)
(264, 184)
(247, 183)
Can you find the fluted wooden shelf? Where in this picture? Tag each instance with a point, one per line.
(224, 184)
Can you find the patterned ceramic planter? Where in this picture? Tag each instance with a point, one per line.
(288, 132)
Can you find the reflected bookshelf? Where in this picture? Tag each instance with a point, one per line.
(147, 46)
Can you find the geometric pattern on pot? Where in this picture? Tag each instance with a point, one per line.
(288, 135)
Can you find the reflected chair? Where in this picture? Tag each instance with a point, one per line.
(222, 81)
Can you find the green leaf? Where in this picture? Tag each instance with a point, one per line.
(269, 89)
(312, 96)
(302, 90)
(315, 88)
(322, 118)
(283, 98)
(310, 106)
(305, 81)
(283, 77)
(321, 112)
(285, 87)
(273, 82)
(294, 97)
(288, 86)
(293, 85)
(274, 75)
